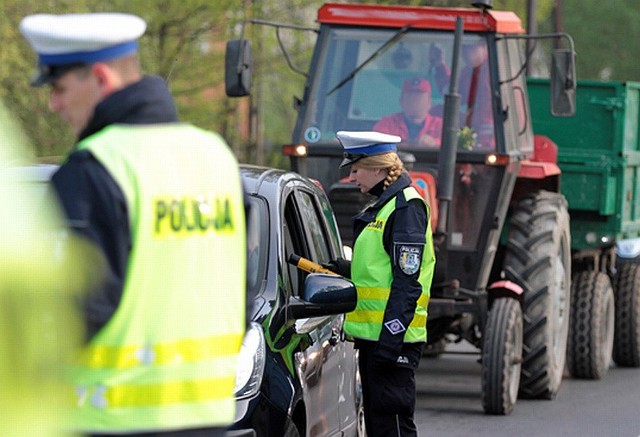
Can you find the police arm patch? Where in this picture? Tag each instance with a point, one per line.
(409, 257)
(395, 326)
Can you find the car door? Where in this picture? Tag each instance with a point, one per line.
(318, 364)
(349, 389)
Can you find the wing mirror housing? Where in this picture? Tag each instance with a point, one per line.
(237, 68)
(323, 295)
(563, 83)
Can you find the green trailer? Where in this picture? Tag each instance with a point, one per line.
(599, 156)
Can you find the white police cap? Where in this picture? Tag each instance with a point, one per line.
(358, 145)
(63, 42)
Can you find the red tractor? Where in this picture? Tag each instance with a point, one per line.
(501, 226)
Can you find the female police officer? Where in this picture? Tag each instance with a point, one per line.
(392, 268)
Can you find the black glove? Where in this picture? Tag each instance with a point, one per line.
(340, 266)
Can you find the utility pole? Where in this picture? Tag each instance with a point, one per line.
(256, 116)
(558, 22)
(257, 107)
(532, 29)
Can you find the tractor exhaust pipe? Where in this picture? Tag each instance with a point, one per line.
(482, 4)
(449, 140)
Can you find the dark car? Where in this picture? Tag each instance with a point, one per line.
(297, 374)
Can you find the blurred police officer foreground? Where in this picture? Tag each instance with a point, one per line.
(161, 201)
(40, 271)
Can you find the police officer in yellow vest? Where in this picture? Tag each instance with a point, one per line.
(392, 268)
(163, 202)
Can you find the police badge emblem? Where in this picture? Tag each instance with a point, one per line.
(409, 259)
(395, 326)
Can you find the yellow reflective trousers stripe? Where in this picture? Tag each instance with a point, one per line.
(181, 351)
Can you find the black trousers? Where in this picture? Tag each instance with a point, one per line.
(389, 395)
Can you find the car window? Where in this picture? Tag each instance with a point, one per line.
(315, 232)
(294, 243)
(304, 234)
(257, 244)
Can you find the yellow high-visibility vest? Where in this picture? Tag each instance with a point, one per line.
(372, 274)
(167, 358)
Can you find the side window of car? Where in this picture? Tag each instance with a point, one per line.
(304, 234)
(314, 228)
(257, 244)
(294, 243)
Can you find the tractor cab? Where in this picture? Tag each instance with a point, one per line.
(366, 76)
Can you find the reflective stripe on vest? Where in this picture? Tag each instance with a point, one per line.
(371, 272)
(187, 350)
(168, 356)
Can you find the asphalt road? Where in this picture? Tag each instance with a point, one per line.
(449, 404)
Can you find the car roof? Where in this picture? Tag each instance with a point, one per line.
(264, 180)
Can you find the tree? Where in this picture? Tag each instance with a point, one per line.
(17, 62)
(181, 45)
(607, 38)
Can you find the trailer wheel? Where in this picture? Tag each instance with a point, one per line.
(591, 328)
(538, 258)
(626, 345)
(502, 356)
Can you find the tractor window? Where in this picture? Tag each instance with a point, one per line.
(475, 95)
(514, 95)
(356, 84)
(362, 81)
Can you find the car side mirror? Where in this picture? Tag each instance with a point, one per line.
(563, 83)
(237, 68)
(323, 295)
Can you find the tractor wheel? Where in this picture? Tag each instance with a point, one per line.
(502, 356)
(591, 328)
(538, 258)
(626, 345)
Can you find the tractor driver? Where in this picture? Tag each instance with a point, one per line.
(414, 125)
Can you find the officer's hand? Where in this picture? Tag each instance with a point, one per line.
(340, 266)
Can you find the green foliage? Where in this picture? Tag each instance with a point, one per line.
(279, 84)
(29, 106)
(607, 37)
(517, 6)
(181, 44)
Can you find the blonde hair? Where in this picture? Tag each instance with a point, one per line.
(387, 161)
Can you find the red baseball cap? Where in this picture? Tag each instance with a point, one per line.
(416, 84)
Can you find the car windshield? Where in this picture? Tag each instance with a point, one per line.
(257, 245)
(360, 87)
